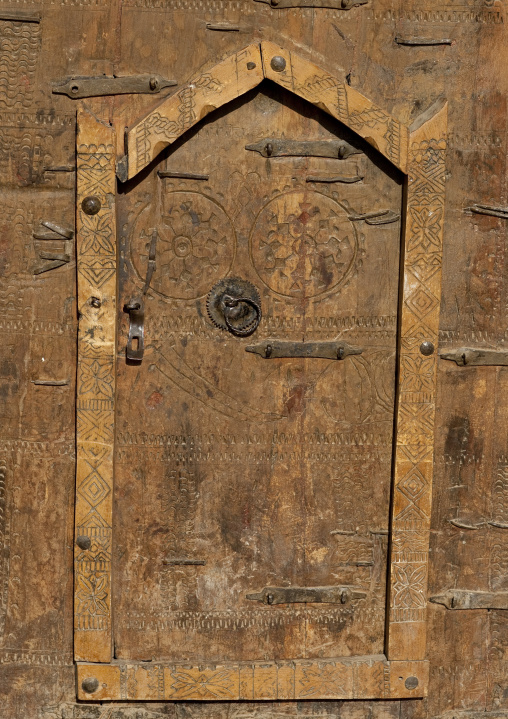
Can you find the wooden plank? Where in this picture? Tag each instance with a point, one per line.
(345, 678)
(96, 255)
(417, 387)
(206, 92)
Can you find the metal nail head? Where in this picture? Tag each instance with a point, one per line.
(95, 302)
(251, 65)
(278, 63)
(83, 541)
(91, 205)
(427, 349)
(411, 683)
(154, 83)
(90, 685)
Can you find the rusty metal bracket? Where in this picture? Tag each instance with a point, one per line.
(181, 175)
(317, 595)
(222, 27)
(418, 41)
(136, 309)
(79, 87)
(475, 357)
(465, 599)
(56, 234)
(274, 147)
(501, 212)
(333, 4)
(379, 217)
(277, 349)
(136, 340)
(334, 178)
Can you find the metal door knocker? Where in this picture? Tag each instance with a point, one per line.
(234, 305)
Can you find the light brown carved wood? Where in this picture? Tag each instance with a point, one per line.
(363, 678)
(412, 500)
(96, 258)
(243, 71)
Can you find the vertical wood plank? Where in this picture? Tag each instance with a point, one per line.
(96, 257)
(416, 390)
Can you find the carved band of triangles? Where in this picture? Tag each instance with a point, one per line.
(415, 452)
(94, 524)
(99, 272)
(415, 334)
(423, 265)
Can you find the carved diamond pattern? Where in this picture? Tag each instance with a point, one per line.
(94, 489)
(414, 485)
(422, 302)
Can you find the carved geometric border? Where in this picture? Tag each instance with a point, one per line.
(346, 678)
(412, 496)
(96, 259)
(419, 152)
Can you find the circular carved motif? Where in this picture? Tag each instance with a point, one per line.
(303, 244)
(194, 247)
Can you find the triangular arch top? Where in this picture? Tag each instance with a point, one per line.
(243, 71)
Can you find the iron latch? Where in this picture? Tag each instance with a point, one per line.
(334, 4)
(78, 87)
(273, 147)
(136, 309)
(275, 349)
(314, 595)
(465, 599)
(470, 357)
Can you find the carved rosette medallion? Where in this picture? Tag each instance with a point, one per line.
(195, 245)
(303, 245)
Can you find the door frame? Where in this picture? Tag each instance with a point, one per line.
(418, 151)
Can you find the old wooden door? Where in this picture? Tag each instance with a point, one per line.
(236, 452)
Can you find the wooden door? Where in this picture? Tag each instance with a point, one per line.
(233, 471)
(238, 445)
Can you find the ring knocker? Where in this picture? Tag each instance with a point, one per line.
(234, 305)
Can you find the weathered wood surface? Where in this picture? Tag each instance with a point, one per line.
(467, 649)
(251, 467)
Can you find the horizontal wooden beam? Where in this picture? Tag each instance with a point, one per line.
(372, 677)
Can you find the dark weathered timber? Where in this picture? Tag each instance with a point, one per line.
(273, 147)
(79, 87)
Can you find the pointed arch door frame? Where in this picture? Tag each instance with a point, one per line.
(419, 152)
